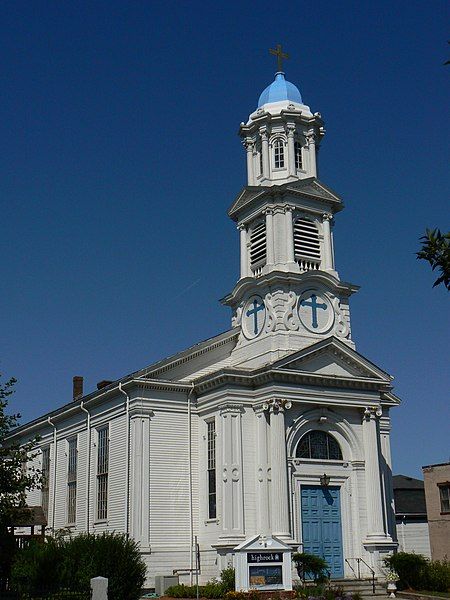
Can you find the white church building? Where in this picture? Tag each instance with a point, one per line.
(276, 431)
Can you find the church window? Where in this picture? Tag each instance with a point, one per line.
(212, 505)
(298, 155)
(258, 245)
(278, 153)
(306, 240)
(319, 445)
(444, 493)
(72, 481)
(102, 473)
(45, 470)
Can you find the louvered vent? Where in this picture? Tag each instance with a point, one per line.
(306, 240)
(258, 245)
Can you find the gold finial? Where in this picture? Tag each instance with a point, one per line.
(280, 56)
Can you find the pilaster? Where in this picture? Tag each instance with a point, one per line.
(269, 237)
(278, 463)
(140, 477)
(328, 254)
(265, 151)
(245, 266)
(262, 474)
(311, 141)
(232, 488)
(291, 149)
(248, 144)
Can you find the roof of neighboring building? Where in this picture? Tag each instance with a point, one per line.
(409, 495)
(32, 515)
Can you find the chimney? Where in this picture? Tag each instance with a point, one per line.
(103, 383)
(77, 387)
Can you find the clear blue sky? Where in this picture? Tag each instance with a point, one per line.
(120, 157)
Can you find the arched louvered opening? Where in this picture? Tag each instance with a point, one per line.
(278, 153)
(298, 155)
(258, 252)
(306, 244)
(319, 445)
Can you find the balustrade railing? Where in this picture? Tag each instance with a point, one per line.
(308, 264)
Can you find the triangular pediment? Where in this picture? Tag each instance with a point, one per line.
(311, 188)
(333, 358)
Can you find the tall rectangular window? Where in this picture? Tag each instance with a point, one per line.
(72, 482)
(45, 479)
(212, 507)
(102, 473)
(444, 492)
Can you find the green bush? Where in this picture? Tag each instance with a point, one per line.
(211, 589)
(310, 566)
(438, 576)
(417, 573)
(72, 562)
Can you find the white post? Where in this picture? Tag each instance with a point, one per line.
(291, 149)
(311, 139)
(269, 236)
(262, 488)
(290, 253)
(250, 171)
(328, 255)
(244, 251)
(278, 459)
(375, 529)
(99, 587)
(265, 151)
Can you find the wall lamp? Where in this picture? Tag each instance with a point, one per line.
(325, 480)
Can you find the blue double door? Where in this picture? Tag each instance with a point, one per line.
(321, 525)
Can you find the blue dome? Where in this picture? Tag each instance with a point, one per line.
(280, 90)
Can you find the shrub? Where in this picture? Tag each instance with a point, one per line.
(211, 589)
(438, 576)
(71, 563)
(309, 564)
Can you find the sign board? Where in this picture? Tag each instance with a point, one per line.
(264, 563)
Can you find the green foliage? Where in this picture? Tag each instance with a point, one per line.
(438, 576)
(409, 567)
(417, 573)
(211, 589)
(72, 562)
(14, 480)
(310, 566)
(324, 592)
(436, 250)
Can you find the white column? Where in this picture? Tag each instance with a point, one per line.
(278, 462)
(244, 251)
(291, 149)
(375, 525)
(327, 245)
(290, 252)
(140, 478)
(311, 139)
(232, 488)
(269, 237)
(262, 487)
(265, 152)
(385, 427)
(250, 169)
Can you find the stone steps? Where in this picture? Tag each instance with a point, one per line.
(363, 587)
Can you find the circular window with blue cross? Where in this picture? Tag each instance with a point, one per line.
(315, 311)
(253, 317)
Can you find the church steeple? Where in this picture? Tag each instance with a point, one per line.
(289, 294)
(281, 136)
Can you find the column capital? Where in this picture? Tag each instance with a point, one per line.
(248, 144)
(372, 413)
(327, 217)
(241, 227)
(275, 405)
(268, 211)
(310, 137)
(231, 407)
(290, 129)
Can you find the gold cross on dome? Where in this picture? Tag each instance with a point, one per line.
(280, 56)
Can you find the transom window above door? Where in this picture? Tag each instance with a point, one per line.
(319, 445)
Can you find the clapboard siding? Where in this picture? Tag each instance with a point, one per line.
(413, 536)
(169, 481)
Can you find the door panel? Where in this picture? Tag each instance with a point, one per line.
(321, 525)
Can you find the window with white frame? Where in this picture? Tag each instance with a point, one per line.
(45, 470)
(258, 250)
(278, 153)
(444, 493)
(102, 472)
(211, 439)
(306, 239)
(298, 155)
(72, 481)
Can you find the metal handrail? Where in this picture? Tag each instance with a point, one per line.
(358, 561)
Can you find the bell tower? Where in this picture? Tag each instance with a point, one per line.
(289, 294)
